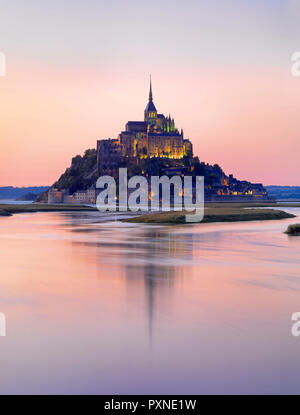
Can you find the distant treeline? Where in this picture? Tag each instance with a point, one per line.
(10, 192)
(284, 192)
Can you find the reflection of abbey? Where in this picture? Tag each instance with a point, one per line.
(156, 136)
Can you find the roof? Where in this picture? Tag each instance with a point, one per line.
(150, 106)
(136, 126)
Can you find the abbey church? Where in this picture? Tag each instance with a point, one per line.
(156, 136)
(150, 147)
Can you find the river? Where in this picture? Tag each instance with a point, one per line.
(95, 305)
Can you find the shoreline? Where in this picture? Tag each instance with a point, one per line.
(214, 212)
(293, 229)
(213, 215)
(10, 209)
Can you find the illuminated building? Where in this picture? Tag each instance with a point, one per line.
(156, 136)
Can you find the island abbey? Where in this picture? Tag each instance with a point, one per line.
(156, 136)
(153, 147)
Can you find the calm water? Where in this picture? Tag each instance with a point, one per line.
(94, 306)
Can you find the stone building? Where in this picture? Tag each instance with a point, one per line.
(82, 197)
(88, 196)
(156, 136)
(57, 196)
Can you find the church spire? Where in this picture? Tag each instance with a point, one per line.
(150, 92)
(150, 112)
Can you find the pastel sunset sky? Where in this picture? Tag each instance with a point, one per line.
(77, 71)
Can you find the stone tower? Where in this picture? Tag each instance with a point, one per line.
(150, 113)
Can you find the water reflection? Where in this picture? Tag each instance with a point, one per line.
(98, 306)
(148, 256)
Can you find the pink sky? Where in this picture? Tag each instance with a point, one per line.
(79, 74)
(245, 120)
